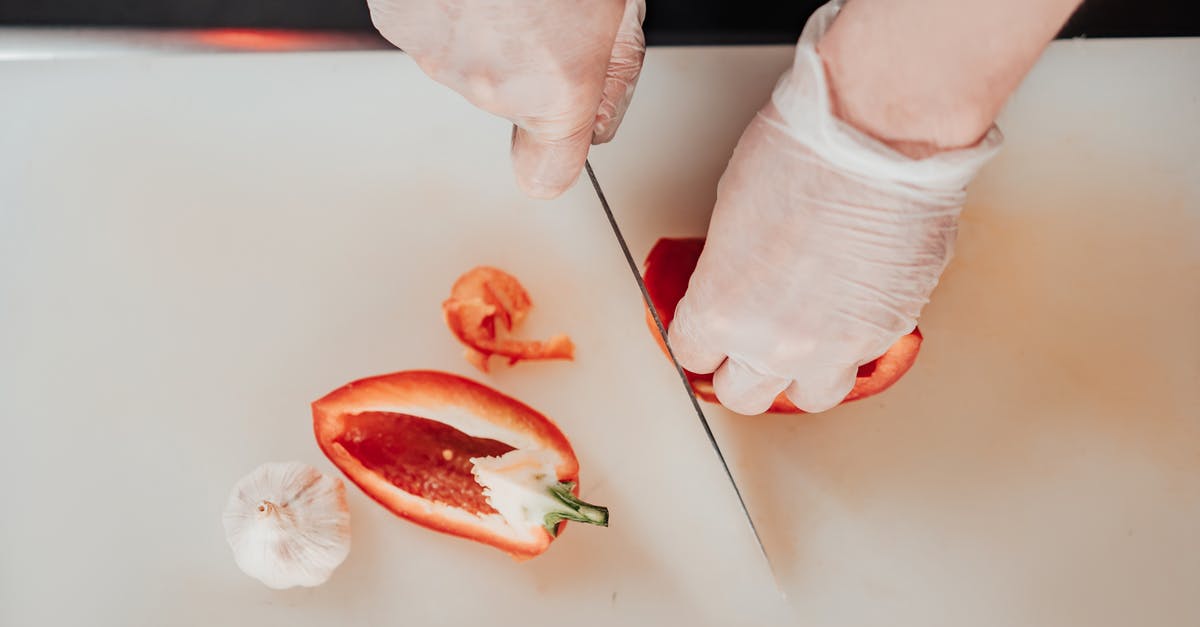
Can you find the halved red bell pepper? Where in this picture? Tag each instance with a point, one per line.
(667, 270)
(486, 303)
(423, 444)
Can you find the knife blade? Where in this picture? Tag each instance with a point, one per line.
(712, 440)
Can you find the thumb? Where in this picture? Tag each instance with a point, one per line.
(629, 50)
(546, 166)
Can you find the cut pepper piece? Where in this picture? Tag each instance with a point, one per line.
(487, 303)
(455, 456)
(666, 272)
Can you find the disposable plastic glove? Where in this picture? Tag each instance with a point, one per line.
(562, 72)
(823, 247)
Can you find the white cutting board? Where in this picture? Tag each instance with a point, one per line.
(193, 248)
(1040, 465)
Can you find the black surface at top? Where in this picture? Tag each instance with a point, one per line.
(667, 21)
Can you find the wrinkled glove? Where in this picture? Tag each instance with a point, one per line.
(562, 72)
(824, 246)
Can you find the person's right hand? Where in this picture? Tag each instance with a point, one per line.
(562, 72)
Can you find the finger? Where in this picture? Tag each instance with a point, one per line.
(629, 50)
(744, 390)
(822, 389)
(546, 166)
(692, 342)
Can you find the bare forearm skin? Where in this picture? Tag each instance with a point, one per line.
(929, 75)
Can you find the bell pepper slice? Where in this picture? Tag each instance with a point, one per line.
(666, 271)
(485, 304)
(455, 456)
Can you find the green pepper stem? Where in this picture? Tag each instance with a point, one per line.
(573, 509)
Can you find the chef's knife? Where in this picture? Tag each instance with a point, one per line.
(641, 283)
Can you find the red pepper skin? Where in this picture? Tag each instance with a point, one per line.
(429, 394)
(486, 302)
(666, 271)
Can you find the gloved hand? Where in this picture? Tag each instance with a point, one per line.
(823, 247)
(562, 72)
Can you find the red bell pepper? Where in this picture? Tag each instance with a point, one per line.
(424, 444)
(667, 270)
(486, 303)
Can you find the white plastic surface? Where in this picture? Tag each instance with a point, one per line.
(193, 248)
(1040, 465)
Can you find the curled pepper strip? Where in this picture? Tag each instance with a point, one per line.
(666, 272)
(487, 303)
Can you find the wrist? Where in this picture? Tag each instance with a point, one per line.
(929, 152)
(931, 75)
(916, 113)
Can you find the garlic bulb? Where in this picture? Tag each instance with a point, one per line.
(288, 525)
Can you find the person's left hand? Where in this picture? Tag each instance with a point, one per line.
(824, 245)
(562, 72)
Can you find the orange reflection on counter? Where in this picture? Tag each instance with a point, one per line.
(254, 39)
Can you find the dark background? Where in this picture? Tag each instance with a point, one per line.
(667, 21)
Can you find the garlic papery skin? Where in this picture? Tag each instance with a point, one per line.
(288, 525)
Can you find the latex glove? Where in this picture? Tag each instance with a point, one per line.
(823, 247)
(562, 72)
